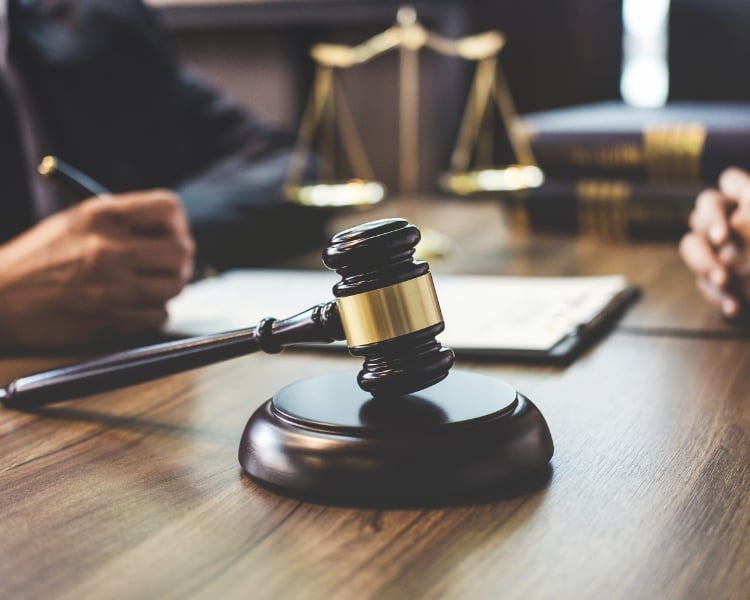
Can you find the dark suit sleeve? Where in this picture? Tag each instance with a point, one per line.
(230, 179)
(233, 193)
(229, 169)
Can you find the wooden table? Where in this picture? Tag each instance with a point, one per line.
(138, 494)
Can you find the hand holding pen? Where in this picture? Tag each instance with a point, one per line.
(96, 269)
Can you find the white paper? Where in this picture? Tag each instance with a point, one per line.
(482, 313)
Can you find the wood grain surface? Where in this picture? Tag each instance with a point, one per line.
(137, 493)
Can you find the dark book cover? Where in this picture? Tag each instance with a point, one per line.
(680, 141)
(610, 208)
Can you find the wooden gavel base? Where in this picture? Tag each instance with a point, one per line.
(327, 440)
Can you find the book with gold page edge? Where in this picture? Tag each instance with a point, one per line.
(611, 208)
(538, 319)
(676, 142)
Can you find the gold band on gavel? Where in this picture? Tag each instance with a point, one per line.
(389, 312)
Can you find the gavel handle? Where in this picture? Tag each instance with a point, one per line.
(320, 323)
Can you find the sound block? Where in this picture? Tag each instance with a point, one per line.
(327, 440)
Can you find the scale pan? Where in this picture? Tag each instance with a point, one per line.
(351, 193)
(508, 178)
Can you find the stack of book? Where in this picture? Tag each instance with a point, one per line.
(621, 171)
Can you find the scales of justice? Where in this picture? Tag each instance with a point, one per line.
(406, 428)
(328, 116)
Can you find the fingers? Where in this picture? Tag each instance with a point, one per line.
(735, 183)
(158, 214)
(154, 212)
(729, 305)
(711, 216)
(151, 212)
(146, 232)
(115, 300)
(730, 255)
(173, 257)
(699, 256)
(109, 259)
(138, 275)
(713, 278)
(716, 249)
(137, 252)
(740, 222)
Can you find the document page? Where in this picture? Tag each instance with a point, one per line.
(482, 313)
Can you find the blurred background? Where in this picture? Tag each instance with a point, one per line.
(558, 53)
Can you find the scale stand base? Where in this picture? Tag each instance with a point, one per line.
(326, 440)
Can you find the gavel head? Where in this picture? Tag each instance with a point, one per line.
(388, 307)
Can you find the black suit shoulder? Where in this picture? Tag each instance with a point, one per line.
(109, 88)
(87, 32)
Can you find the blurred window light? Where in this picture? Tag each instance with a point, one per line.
(645, 74)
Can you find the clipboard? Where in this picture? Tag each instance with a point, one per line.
(537, 319)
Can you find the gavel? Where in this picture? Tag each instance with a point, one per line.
(385, 307)
(405, 431)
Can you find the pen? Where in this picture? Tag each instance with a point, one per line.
(55, 169)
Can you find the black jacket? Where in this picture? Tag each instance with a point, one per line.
(116, 103)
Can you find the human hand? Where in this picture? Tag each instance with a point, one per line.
(98, 269)
(717, 247)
